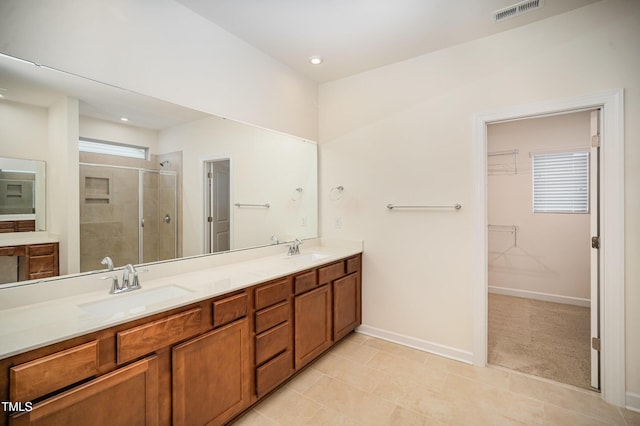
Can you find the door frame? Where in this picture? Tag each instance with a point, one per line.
(612, 314)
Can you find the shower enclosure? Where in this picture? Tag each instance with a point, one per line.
(128, 214)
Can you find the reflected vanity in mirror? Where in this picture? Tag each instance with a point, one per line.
(22, 195)
(168, 203)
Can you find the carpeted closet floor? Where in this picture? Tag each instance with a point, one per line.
(549, 340)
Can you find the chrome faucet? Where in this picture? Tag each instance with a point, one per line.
(130, 278)
(115, 285)
(294, 248)
(107, 261)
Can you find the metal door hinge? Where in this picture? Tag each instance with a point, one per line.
(595, 141)
(595, 242)
(209, 219)
(595, 343)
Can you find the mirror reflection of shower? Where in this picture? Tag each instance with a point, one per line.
(123, 214)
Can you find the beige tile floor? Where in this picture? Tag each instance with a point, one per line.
(368, 381)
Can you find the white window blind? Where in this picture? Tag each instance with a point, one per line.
(110, 148)
(561, 182)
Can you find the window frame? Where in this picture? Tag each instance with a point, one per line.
(97, 146)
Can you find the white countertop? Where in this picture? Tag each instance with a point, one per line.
(25, 238)
(37, 315)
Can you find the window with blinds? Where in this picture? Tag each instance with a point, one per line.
(561, 182)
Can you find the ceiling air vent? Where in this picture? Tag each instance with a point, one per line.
(516, 9)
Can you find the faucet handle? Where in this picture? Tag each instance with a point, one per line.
(115, 286)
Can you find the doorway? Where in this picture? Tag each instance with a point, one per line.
(217, 205)
(540, 216)
(612, 226)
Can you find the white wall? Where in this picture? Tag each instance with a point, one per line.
(94, 128)
(23, 131)
(162, 49)
(63, 213)
(266, 167)
(550, 259)
(403, 134)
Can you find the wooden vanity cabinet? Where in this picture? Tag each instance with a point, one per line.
(125, 397)
(204, 363)
(36, 261)
(273, 327)
(347, 311)
(41, 261)
(327, 307)
(313, 324)
(17, 226)
(211, 376)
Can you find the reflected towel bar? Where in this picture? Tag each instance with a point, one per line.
(265, 205)
(455, 206)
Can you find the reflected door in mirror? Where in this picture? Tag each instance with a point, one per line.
(217, 218)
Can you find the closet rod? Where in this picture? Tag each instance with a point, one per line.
(513, 152)
(510, 152)
(506, 228)
(455, 206)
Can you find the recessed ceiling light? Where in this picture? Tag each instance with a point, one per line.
(124, 119)
(315, 60)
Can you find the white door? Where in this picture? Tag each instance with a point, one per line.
(217, 202)
(594, 208)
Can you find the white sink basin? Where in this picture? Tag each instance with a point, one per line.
(307, 257)
(135, 302)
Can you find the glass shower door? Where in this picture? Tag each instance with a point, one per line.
(158, 231)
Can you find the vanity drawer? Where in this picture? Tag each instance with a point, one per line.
(273, 293)
(138, 341)
(329, 273)
(12, 251)
(270, 317)
(353, 264)
(229, 309)
(305, 282)
(7, 226)
(26, 225)
(50, 373)
(272, 342)
(42, 249)
(41, 264)
(273, 373)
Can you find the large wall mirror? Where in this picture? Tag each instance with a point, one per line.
(203, 184)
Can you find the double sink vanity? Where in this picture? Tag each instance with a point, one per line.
(204, 338)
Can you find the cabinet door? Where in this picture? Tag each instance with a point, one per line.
(312, 324)
(127, 396)
(346, 305)
(211, 376)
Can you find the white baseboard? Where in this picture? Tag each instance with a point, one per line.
(633, 402)
(547, 297)
(423, 345)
